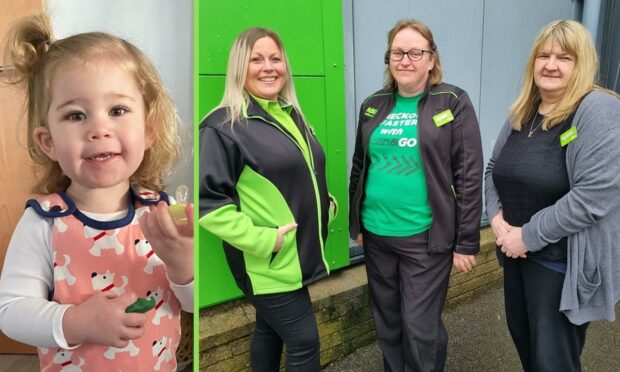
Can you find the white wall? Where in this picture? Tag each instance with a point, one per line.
(163, 30)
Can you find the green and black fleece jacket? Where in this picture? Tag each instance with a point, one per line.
(254, 178)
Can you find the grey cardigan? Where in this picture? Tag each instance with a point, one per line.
(589, 214)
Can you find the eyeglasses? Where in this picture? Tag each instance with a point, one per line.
(412, 54)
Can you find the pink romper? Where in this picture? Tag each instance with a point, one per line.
(96, 256)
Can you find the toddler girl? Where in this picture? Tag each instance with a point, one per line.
(103, 130)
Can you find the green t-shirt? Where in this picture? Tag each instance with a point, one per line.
(396, 202)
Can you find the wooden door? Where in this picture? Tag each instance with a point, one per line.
(15, 165)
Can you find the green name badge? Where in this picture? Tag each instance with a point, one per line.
(568, 136)
(371, 112)
(443, 118)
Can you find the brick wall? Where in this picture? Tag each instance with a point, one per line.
(341, 307)
(486, 274)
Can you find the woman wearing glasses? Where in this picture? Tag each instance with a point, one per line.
(415, 197)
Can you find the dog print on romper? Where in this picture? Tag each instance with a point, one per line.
(61, 272)
(162, 352)
(105, 282)
(92, 257)
(162, 308)
(64, 358)
(144, 249)
(103, 241)
(131, 348)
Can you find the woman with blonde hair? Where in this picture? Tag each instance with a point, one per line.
(552, 191)
(263, 191)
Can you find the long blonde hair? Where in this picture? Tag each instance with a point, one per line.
(435, 76)
(35, 55)
(573, 38)
(235, 97)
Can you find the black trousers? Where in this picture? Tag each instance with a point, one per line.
(407, 292)
(285, 318)
(543, 336)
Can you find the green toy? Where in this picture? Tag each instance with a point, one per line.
(142, 305)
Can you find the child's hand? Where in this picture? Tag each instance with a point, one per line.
(173, 244)
(102, 320)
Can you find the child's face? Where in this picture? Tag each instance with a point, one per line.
(96, 124)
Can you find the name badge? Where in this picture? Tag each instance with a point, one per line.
(568, 136)
(371, 112)
(443, 118)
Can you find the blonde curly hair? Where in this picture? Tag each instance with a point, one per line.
(35, 55)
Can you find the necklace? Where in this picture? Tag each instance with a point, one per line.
(532, 129)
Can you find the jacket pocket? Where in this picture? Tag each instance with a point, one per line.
(283, 257)
(587, 284)
(277, 272)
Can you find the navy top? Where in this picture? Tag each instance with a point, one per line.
(530, 175)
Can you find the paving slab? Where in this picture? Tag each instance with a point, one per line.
(479, 341)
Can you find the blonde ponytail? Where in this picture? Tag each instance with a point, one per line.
(26, 45)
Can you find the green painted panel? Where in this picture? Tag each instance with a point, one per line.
(210, 90)
(312, 94)
(216, 281)
(335, 146)
(221, 21)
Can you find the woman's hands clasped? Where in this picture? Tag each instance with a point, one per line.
(508, 238)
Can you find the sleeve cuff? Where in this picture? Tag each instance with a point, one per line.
(529, 238)
(492, 209)
(185, 294)
(461, 249)
(58, 333)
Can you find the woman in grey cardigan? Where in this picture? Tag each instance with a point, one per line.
(553, 197)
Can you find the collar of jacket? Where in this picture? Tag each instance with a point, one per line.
(254, 109)
(266, 104)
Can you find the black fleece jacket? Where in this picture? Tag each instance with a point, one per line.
(452, 160)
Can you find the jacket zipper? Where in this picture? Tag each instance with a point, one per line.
(358, 202)
(419, 127)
